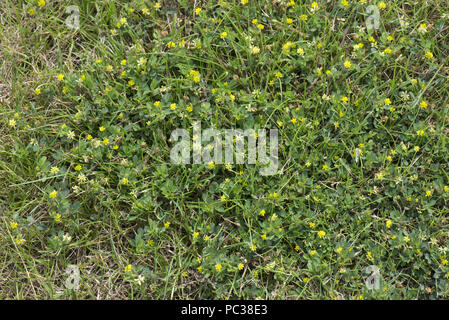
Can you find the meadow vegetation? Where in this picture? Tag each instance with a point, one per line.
(85, 174)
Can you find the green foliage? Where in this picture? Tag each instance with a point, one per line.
(85, 171)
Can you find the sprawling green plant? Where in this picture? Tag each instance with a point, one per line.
(358, 90)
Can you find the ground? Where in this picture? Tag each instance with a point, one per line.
(357, 89)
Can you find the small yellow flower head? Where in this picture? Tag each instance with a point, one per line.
(106, 141)
(339, 249)
(128, 268)
(260, 26)
(240, 266)
(54, 170)
(303, 17)
(347, 64)
(53, 194)
(313, 252)
(60, 77)
(255, 50)
(58, 217)
(429, 55)
(422, 28)
(37, 91)
(195, 235)
(423, 104)
(382, 5)
(314, 5)
(125, 181)
(13, 225)
(41, 3)
(446, 188)
(344, 3)
(223, 35)
(12, 122)
(167, 224)
(157, 103)
(198, 10)
(321, 233)
(289, 20)
(31, 12)
(211, 164)
(264, 236)
(78, 167)
(387, 101)
(123, 62)
(218, 267)
(388, 223)
(173, 106)
(253, 247)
